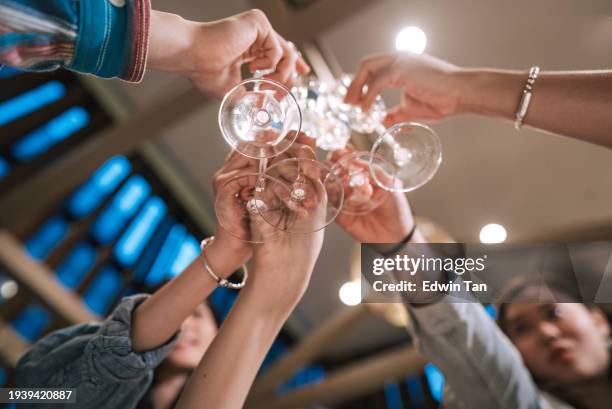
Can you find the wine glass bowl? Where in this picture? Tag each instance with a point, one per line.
(312, 200)
(239, 202)
(361, 192)
(414, 152)
(260, 118)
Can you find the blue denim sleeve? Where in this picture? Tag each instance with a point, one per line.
(100, 37)
(96, 359)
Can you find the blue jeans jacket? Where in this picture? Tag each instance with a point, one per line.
(96, 359)
(100, 37)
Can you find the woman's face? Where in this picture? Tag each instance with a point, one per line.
(560, 343)
(197, 332)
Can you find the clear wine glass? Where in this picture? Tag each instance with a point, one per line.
(356, 171)
(319, 122)
(414, 150)
(260, 119)
(310, 199)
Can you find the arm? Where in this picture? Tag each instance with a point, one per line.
(282, 267)
(178, 298)
(45, 35)
(41, 36)
(481, 366)
(92, 358)
(575, 104)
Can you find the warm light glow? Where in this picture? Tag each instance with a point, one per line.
(493, 233)
(350, 293)
(8, 289)
(411, 39)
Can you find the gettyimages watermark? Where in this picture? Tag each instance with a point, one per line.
(462, 272)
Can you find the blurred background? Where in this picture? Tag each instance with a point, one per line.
(106, 186)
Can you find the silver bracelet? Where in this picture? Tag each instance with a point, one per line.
(526, 97)
(221, 282)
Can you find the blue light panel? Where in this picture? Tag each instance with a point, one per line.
(48, 236)
(166, 255)
(50, 134)
(76, 265)
(124, 205)
(393, 396)
(416, 395)
(189, 250)
(6, 72)
(131, 244)
(435, 379)
(31, 322)
(4, 168)
(103, 290)
(31, 101)
(102, 183)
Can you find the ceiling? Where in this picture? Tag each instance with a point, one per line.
(532, 183)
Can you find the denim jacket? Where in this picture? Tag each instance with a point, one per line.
(96, 359)
(106, 38)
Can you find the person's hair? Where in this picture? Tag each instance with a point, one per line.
(516, 291)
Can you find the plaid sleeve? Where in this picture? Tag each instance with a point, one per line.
(100, 37)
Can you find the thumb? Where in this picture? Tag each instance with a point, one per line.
(399, 113)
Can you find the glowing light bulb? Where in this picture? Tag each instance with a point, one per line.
(411, 39)
(493, 233)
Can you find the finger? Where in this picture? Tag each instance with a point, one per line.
(340, 153)
(287, 64)
(399, 113)
(367, 68)
(301, 66)
(304, 139)
(375, 85)
(266, 49)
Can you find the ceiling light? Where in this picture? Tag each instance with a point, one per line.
(350, 293)
(493, 233)
(8, 289)
(411, 39)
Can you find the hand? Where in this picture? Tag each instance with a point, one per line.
(211, 54)
(233, 247)
(390, 222)
(431, 90)
(283, 264)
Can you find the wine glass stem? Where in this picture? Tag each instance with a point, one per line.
(261, 181)
(382, 132)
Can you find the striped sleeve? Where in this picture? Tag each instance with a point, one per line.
(99, 37)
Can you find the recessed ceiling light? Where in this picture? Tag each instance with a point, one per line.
(8, 289)
(350, 293)
(411, 39)
(493, 233)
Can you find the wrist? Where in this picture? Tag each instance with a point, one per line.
(262, 302)
(225, 258)
(493, 93)
(171, 43)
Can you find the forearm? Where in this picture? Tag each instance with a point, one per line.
(228, 369)
(178, 298)
(575, 104)
(481, 366)
(171, 41)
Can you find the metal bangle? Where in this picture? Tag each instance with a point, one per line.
(221, 282)
(526, 97)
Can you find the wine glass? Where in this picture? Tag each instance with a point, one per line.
(319, 121)
(260, 118)
(362, 193)
(310, 199)
(414, 150)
